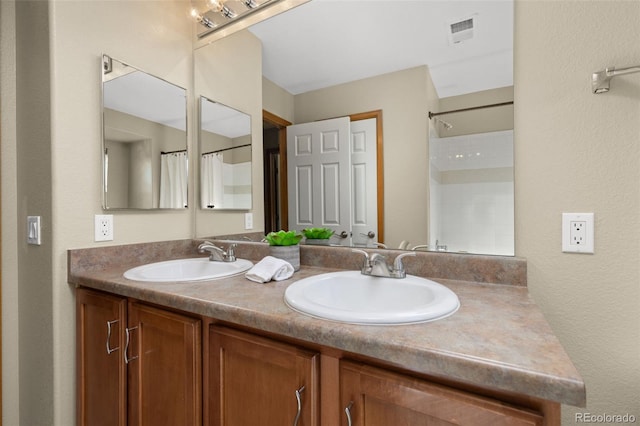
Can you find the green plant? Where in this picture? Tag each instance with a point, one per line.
(318, 233)
(283, 238)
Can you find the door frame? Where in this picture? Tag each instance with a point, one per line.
(282, 124)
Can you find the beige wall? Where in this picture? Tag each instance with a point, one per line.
(574, 152)
(9, 192)
(578, 152)
(237, 84)
(277, 101)
(55, 173)
(403, 97)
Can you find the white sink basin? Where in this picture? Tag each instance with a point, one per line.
(196, 269)
(354, 298)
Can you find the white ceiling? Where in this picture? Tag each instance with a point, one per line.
(145, 96)
(327, 42)
(223, 120)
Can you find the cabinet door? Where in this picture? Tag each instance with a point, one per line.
(377, 397)
(164, 357)
(101, 372)
(258, 381)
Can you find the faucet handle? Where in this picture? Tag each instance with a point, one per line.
(362, 252)
(398, 266)
(204, 244)
(230, 255)
(367, 263)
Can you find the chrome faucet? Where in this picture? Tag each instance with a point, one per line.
(218, 254)
(437, 247)
(376, 265)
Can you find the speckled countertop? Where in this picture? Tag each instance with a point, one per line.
(498, 339)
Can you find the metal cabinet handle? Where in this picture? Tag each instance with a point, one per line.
(299, 401)
(109, 350)
(347, 411)
(369, 234)
(127, 331)
(343, 234)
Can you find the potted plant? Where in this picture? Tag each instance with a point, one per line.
(317, 236)
(284, 245)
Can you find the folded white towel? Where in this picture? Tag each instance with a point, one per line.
(270, 268)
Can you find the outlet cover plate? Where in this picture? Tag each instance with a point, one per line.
(577, 233)
(103, 228)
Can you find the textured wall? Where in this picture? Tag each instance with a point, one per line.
(578, 152)
(151, 35)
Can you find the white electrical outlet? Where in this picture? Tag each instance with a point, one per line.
(248, 221)
(103, 227)
(577, 232)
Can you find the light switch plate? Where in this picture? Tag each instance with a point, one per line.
(33, 230)
(577, 233)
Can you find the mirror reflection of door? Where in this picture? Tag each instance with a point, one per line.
(364, 182)
(318, 168)
(364, 187)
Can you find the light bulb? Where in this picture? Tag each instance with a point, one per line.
(215, 5)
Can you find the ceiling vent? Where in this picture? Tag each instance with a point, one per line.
(461, 30)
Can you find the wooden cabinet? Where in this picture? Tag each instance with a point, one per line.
(101, 371)
(258, 381)
(164, 366)
(143, 365)
(376, 397)
(137, 364)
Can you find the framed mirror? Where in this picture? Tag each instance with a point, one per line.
(144, 140)
(225, 157)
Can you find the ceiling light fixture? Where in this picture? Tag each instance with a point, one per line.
(203, 20)
(219, 13)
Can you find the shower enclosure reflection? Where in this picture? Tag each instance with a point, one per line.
(471, 186)
(225, 160)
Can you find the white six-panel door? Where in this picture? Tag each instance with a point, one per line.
(364, 186)
(319, 176)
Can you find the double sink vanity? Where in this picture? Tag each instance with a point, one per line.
(304, 351)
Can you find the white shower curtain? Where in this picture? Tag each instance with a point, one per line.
(211, 182)
(173, 180)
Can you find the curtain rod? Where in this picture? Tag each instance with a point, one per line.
(226, 149)
(172, 152)
(435, 114)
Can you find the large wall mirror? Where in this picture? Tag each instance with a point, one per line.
(145, 162)
(225, 157)
(352, 57)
